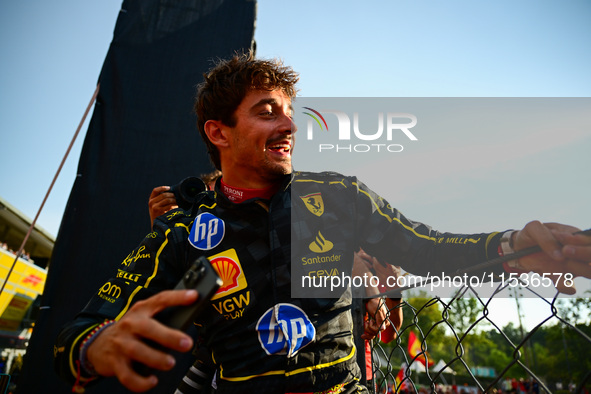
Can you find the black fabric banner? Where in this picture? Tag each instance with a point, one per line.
(142, 134)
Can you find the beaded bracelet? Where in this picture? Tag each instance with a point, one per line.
(86, 365)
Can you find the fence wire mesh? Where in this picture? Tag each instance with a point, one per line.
(454, 345)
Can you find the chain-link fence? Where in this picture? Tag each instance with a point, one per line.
(454, 345)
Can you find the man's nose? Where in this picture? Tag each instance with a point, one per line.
(290, 126)
(294, 128)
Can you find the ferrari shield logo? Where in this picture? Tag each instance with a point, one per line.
(314, 203)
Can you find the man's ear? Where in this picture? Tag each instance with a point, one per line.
(217, 133)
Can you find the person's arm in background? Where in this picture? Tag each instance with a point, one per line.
(377, 319)
(160, 202)
(394, 312)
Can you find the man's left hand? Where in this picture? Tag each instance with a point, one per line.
(563, 252)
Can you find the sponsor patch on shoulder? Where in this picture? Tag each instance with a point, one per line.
(314, 203)
(207, 231)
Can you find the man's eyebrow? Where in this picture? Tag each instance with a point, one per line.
(268, 101)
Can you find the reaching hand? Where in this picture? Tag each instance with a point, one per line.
(377, 318)
(116, 347)
(563, 252)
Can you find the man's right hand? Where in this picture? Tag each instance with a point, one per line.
(121, 344)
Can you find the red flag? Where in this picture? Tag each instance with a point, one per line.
(414, 350)
(400, 383)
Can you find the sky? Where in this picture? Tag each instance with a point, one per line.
(480, 178)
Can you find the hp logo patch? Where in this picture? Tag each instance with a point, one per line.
(207, 231)
(285, 329)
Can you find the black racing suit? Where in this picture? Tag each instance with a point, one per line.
(263, 340)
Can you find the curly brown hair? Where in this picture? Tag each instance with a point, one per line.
(228, 82)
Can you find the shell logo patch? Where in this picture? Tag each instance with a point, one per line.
(314, 203)
(228, 267)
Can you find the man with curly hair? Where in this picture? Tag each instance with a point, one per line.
(262, 226)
